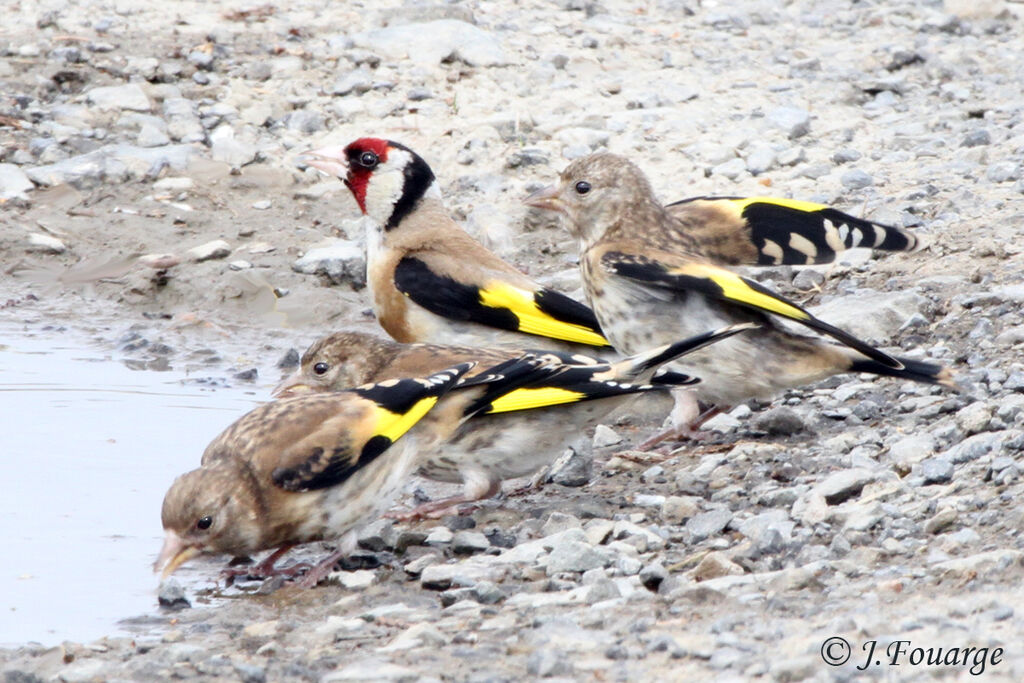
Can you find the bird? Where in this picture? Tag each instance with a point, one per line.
(648, 277)
(429, 280)
(307, 468)
(488, 449)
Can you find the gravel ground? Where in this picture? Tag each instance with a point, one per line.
(151, 199)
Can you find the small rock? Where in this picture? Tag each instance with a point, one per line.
(605, 436)
(151, 136)
(378, 535)
(678, 509)
(706, 524)
(793, 122)
(572, 469)
(261, 629)
(172, 596)
(342, 261)
(358, 580)
(85, 671)
(941, 521)
(45, 243)
(439, 535)
(841, 486)
(468, 542)
(430, 43)
(250, 673)
(557, 522)
(714, 565)
(357, 81)
(652, 575)
(487, 593)
(974, 418)
(781, 421)
(856, 179)
(976, 138)
(13, 182)
(936, 471)
(129, 96)
(217, 249)
(1003, 171)
(574, 556)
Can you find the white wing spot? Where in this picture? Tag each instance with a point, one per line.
(773, 250)
(856, 236)
(844, 232)
(879, 235)
(803, 245)
(832, 237)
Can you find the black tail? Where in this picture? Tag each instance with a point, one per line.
(918, 371)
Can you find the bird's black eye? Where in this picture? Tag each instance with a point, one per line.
(321, 367)
(582, 187)
(204, 523)
(368, 159)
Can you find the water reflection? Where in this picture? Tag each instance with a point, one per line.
(88, 449)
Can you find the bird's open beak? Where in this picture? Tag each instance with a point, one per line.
(174, 554)
(546, 198)
(292, 385)
(331, 160)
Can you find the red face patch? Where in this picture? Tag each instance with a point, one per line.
(363, 156)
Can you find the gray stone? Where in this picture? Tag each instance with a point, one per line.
(84, 671)
(808, 279)
(129, 96)
(941, 521)
(572, 469)
(652, 575)
(172, 596)
(841, 486)
(250, 673)
(557, 522)
(13, 182)
(112, 164)
(342, 261)
(151, 136)
(547, 662)
(972, 448)
(871, 315)
(233, 152)
(976, 138)
(846, 155)
(793, 122)
(706, 524)
(305, 121)
(601, 590)
(574, 556)
(936, 471)
(1003, 171)
(378, 535)
(605, 436)
(49, 244)
(371, 669)
(974, 417)
(430, 43)
(761, 159)
(731, 169)
(856, 179)
(357, 81)
(216, 249)
(781, 421)
(487, 593)
(467, 542)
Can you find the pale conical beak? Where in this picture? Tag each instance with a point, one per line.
(331, 160)
(174, 554)
(292, 385)
(546, 198)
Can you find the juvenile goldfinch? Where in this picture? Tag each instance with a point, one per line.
(307, 468)
(649, 280)
(770, 231)
(429, 280)
(488, 449)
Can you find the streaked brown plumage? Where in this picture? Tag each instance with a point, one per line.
(303, 469)
(488, 449)
(648, 279)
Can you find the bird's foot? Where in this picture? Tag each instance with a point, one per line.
(435, 509)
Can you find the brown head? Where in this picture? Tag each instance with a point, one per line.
(596, 192)
(339, 361)
(210, 509)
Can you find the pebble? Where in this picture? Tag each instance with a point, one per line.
(793, 122)
(974, 417)
(779, 421)
(14, 182)
(841, 486)
(572, 469)
(430, 43)
(706, 524)
(936, 471)
(856, 179)
(605, 436)
(216, 249)
(341, 261)
(171, 595)
(129, 97)
(467, 542)
(574, 556)
(45, 243)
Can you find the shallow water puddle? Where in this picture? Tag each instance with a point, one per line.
(88, 449)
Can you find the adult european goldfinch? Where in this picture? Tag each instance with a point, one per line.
(490, 448)
(308, 468)
(429, 280)
(649, 280)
